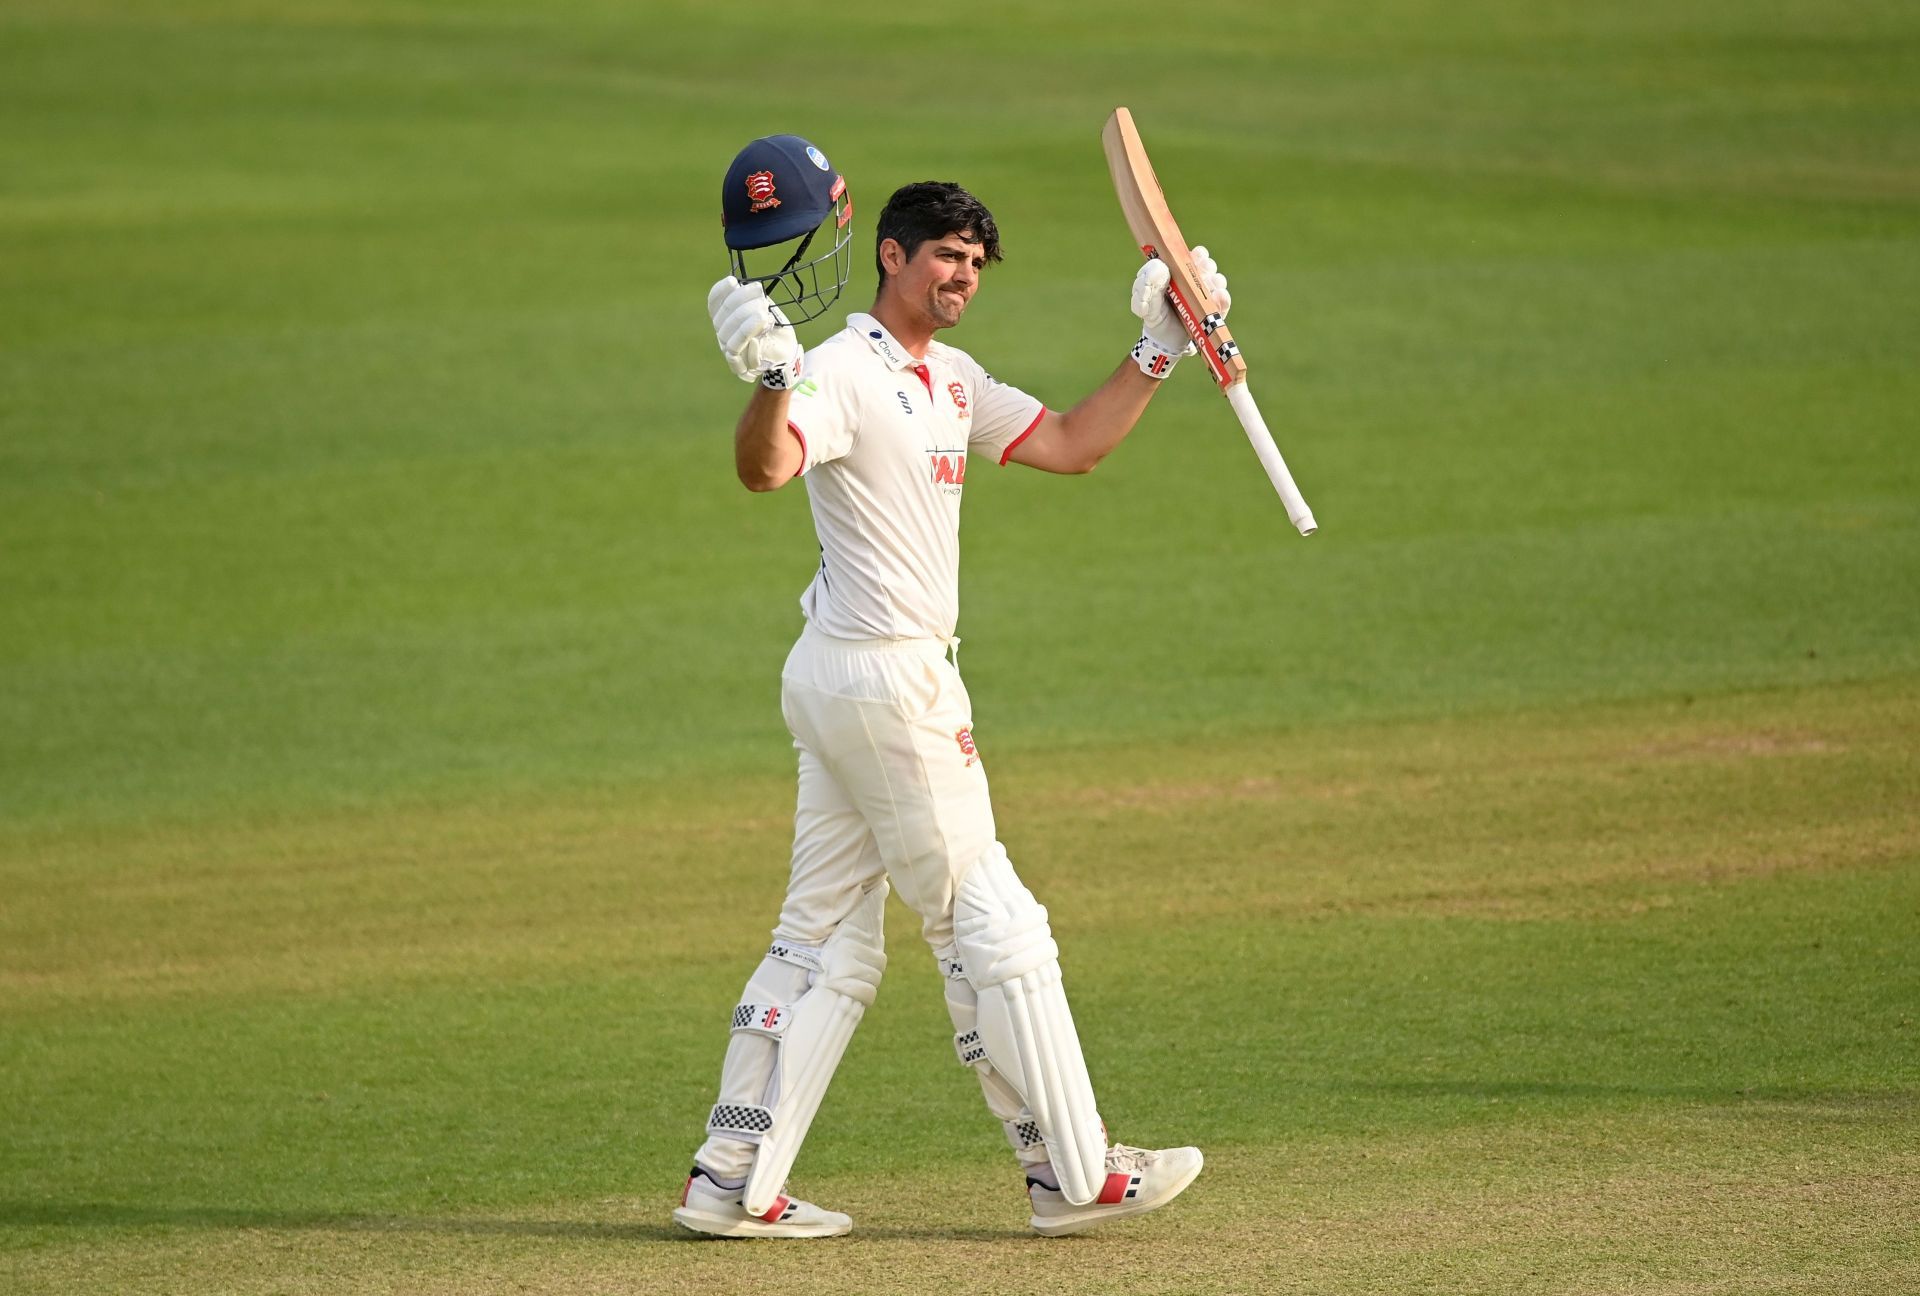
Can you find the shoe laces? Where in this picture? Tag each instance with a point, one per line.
(1132, 1160)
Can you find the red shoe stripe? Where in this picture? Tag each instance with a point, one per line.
(773, 1215)
(684, 1191)
(1115, 1189)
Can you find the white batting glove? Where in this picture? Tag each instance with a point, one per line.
(754, 336)
(1163, 339)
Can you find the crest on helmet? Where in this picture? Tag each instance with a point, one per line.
(760, 188)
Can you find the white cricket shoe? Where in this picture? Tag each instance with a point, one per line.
(1137, 1181)
(706, 1207)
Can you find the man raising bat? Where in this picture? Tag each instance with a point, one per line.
(881, 421)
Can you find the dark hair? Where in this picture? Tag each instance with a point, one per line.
(933, 209)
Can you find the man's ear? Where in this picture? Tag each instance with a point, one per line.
(892, 256)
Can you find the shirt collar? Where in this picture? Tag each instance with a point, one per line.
(884, 344)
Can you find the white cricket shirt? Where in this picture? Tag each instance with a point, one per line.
(884, 440)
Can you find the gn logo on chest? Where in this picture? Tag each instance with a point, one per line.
(948, 468)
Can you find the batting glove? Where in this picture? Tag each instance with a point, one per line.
(754, 336)
(1163, 339)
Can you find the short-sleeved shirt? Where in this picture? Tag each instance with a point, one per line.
(885, 440)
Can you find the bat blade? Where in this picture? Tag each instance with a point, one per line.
(1158, 235)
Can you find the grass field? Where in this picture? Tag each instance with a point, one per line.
(1514, 889)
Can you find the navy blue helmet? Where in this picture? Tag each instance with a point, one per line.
(781, 189)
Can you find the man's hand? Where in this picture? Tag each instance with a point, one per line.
(1163, 338)
(754, 336)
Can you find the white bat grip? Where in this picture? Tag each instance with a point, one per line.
(1297, 511)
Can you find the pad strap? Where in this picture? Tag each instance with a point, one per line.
(762, 1019)
(798, 955)
(1023, 1134)
(743, 1121)
(972, 1052)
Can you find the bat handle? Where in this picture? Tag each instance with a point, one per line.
(1256, 427)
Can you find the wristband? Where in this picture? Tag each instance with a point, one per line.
(784, 375)
(1156, 361)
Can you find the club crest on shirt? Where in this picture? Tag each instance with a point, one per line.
(959, 393)
(965, 738)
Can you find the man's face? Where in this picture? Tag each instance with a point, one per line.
(940, 279)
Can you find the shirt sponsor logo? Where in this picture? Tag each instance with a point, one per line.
(949, 469)
(884, 345)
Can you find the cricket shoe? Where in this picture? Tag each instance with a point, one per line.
(1137, 1181)
(708, 1207)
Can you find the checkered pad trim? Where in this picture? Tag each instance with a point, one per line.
(967, 1044)
(739, 1118)
(1027, 1133)
(798, 955)
(762, 1019)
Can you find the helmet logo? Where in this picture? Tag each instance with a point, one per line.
(819, 158)
(760, 190)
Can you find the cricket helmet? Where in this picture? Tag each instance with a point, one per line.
(779, 190)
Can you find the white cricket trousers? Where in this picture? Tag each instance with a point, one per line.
(890, 781)
(890, 784)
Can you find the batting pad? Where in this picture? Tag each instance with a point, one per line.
(812, 1039)
(1011, 960)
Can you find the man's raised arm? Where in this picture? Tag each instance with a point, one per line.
(766, 454)
(1077, 440)
(759, 346)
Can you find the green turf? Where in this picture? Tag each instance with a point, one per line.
(1577, 969)
(1513, 885)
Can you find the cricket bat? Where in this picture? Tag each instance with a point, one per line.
(1158, 235)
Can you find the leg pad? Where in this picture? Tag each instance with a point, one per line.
(813, 1035)
(1009, 955)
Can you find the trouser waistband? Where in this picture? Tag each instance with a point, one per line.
(948, 647)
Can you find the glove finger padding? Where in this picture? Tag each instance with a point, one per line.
(1150, 287)
(1161, 326)
(1215, 283)
(739, 312)
(717, 297)
(757, 340)
(747, 321)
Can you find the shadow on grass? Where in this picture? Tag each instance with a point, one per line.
(106, 1215)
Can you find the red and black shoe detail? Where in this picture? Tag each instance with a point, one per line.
(780, 1211)
(1120, 1187)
